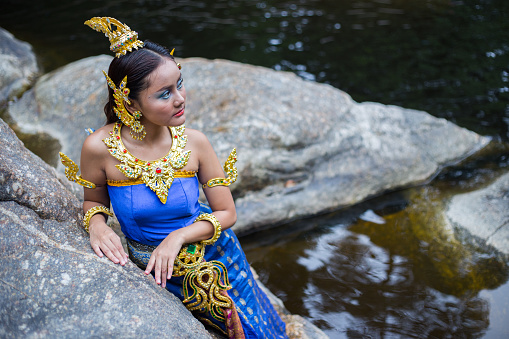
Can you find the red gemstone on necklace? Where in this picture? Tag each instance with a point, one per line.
(125, 151)
(118, 138)
(148, 163)
(158, 170)
(136, 160)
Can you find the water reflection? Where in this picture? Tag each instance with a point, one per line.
(372, 292)
(410, 277)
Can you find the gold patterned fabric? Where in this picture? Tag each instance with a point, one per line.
(203, 290)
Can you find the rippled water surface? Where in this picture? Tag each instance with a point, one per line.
(348, 274)
(447, 57)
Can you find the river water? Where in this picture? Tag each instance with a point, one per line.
(346, 272)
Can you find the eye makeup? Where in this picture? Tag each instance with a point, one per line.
(166, 94)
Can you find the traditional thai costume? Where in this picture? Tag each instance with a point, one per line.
(211, 277)
(144, 220)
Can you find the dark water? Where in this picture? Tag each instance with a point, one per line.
(449, 58)
(351, 277)
(406, 278)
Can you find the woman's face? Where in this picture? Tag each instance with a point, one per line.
(163, 102)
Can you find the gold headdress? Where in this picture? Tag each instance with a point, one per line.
(122, 39)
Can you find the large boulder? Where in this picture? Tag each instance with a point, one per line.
(18, 66)
(62, 104)
(52, 284)
(304, 148)
(484, 213)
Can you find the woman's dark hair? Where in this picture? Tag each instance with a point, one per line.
(136, 65)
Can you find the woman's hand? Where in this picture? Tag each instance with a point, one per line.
(104, 240)
(162, 258)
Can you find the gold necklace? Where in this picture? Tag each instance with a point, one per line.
(158, 174)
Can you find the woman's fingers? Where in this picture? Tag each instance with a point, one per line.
(164, 273)
(162, 267)
(97, 250)
(158, 271)
(150, 265)
(120, 249)
(105, 242)
(111, 252)
(170, 270)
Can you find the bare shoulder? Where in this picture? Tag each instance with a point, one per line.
(94, 145)
(197, 138)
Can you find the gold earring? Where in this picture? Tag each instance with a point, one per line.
(137, 130)
(121, 95)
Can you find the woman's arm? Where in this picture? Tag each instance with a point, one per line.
(219, 199)
(103, 239)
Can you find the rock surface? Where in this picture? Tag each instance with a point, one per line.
(484, 213)
(29, 181)
(63, 103)
(51, 282)
(304, 148)
(18, 66)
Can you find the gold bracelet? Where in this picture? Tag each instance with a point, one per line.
(215, 223)
(90, 213)
(229, 168)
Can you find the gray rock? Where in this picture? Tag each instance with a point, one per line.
(51, 282)
(303, 148)
(63, 103)
(29, 181)
(306, 148)
(18, 66)
(484, 213)
(53, 286)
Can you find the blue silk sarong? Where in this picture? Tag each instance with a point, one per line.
(144, 219)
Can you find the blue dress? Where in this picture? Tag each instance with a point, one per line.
(144, 219)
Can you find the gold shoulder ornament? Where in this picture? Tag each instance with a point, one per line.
(230, 170)
(71, 172)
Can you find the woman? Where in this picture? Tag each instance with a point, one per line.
(149, 167)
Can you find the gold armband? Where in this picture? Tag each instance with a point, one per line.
(71, 172)
(229, 168)
(217, 227)
(91, 212)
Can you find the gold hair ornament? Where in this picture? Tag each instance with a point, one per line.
(121, 96)
(178, 63)
(229, 168)
(71, 172)
(122, 40)
(93, 211)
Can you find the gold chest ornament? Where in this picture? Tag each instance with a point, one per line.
(158, 174)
